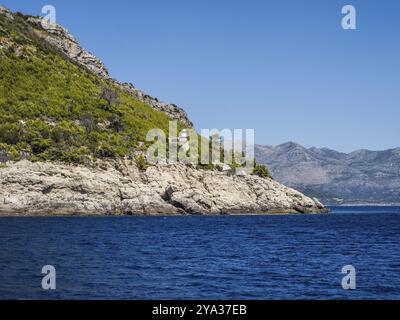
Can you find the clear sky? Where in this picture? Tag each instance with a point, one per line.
(285, 68)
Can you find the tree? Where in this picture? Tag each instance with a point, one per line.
(110, 97)
(261, 171)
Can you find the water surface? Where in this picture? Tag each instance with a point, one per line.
(196, 257)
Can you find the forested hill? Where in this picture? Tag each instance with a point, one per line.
(57, 101)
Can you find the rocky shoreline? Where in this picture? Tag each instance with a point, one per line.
(120, 188)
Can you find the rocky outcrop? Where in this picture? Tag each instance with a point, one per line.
(59, 37)
(172, 110)
(120, 188)
(4, 11)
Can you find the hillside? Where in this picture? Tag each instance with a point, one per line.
(335, 177)
(69, 135)
(57, 101)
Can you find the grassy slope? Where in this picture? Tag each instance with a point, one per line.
(52, 109)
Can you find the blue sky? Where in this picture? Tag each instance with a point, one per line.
(285, 68)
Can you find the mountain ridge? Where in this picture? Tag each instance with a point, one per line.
(59, 37)
(336, 177)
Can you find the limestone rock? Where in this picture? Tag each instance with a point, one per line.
(28, 188)
(59, 37)
(6, 12)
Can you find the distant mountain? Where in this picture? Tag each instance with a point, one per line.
(335, 177)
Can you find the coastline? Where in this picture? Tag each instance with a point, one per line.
(365, 204)
(119, 188)
(160, 215)
(52, 214)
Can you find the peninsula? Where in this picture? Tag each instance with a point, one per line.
(72, 140)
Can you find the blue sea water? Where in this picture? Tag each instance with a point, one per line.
(198, 257)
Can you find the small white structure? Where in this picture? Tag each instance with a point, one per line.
(184, 136)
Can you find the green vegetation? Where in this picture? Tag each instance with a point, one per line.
(261, 171)
(141, 162)
(52, 109)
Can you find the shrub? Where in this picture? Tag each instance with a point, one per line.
(50, 107)
(261, 171)
(109, 97)
(117, 124)
(142, 163)
(89, 123)
(106, 151)
(40, 146)
(4, 153)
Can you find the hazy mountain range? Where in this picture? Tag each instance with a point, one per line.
(361, 176)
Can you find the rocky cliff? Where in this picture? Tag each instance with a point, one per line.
(120, 188)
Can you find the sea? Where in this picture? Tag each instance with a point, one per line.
(351, 253)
